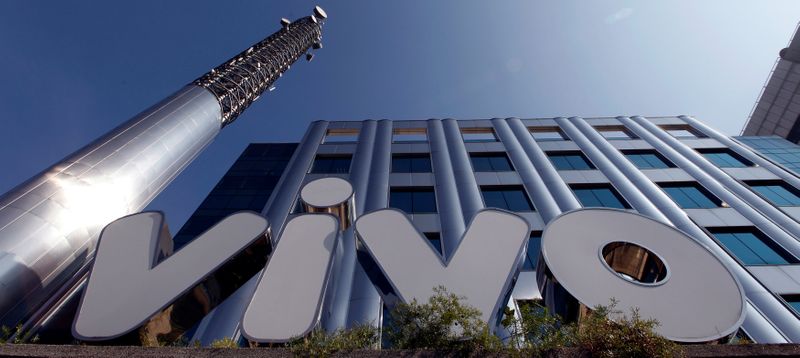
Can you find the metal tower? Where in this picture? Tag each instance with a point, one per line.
(49, 225)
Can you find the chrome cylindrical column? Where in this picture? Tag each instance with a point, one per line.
(590, 143)
(532, 181)
(365, 301)
(555, 186)
(468, 193)
(447, 201)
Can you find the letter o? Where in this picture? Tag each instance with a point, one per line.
(589, 256)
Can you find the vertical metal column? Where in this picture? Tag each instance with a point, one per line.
(468, 193)
(447, 201)
(544, 202)
(366, 306)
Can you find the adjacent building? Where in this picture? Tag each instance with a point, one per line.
(777, 111)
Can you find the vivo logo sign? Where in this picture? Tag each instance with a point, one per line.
(129, 283)
(588, 256)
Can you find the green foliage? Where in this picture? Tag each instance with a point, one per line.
(226, 342)
(608, 332)
(16, 336)
(603, 332)
(536, 331)
(320, 343)
(444, 322)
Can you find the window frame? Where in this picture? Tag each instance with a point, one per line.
(570, 153)
(479, 130)
(653, 152)
(412, 190)
(771, 244)
(411, 157)
(548, 129)
(695, 133)
(341, 132)
(718, 203)
(529, 264)
(742, 160)
(615, 128)
(410, 132)
(594, 186)
(489, 156)
(503, 189)
(780, 183)
(317, 157)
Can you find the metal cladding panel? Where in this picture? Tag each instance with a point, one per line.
(50, 224)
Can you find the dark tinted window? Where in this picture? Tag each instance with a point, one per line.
(331, 165)
(413, 200)
(570, 161)
(648, 160)
(411, 163)
(752, 247)
(793, 301)
(724, 158)
(778, 193)
(532, 256)
(512, 198)
(435, 240)
(490, 162)
(599, 196)
(691, 196)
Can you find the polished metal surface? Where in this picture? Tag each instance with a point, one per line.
(591, 256)
(240, 81)
(447, 201)
(50, 224)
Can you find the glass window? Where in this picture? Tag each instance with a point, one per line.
(752, 247)
(570, 161)
(472, 135)
(778, 193)
(413, 200)
(793, 301)
(681, 131)
(532, 257)
(599, 196)
(411, 163)
(435, 239)
(543, 134)
(648, 160)
(512, 198)
(409, 135)
(724, 158)
(614, 132)
(341, 136)
(490, 162)
(330, 164)
(691, 196)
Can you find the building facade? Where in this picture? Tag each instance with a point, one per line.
(777, 111)
(742, 206)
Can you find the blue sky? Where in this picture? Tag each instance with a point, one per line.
(74, 70)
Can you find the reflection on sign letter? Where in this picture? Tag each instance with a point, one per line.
(288, 300)
(482, 268)
(128, 284)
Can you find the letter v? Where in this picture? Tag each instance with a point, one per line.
(482, 268)
(128, 285)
